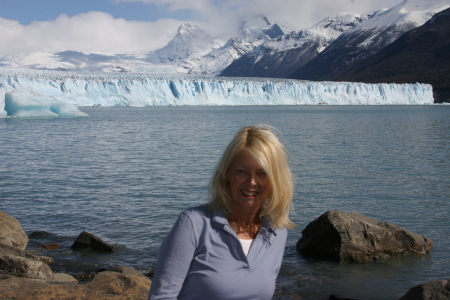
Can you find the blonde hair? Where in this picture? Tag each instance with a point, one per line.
(270, 153)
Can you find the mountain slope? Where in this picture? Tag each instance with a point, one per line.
(259, 49)
(281, 56)
(191, 51)
(420, 55)
(368, 38)
(190, 42)
(252, 33)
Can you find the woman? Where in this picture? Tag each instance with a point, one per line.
(232, 247)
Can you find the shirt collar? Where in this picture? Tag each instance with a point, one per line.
(219, 218)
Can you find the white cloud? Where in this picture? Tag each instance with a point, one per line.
(89, 32)
(175, 4)
(300, 13)
(100, 32)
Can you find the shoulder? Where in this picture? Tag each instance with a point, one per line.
(197, 211)
(281, 232)
(277, 232)
(197, 214)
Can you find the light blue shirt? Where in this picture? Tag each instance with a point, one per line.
(202, 258)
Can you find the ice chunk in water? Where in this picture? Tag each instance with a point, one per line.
(21, 104)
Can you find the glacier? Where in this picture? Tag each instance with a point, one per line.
(140, 90)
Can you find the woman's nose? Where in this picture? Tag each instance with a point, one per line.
(251, 179)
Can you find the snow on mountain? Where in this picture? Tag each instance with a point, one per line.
(257, 30)
(259, 48)
(278, 57)
(34, 60)
(416, 12)
(420, 55)
(137, 90)
(190, 42)
(386, 27)
(368, 38)
(215, 61)
(323, 32)
(191, 51)
(84, 62)
(252, 32)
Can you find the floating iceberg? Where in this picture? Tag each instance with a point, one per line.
(21, 104)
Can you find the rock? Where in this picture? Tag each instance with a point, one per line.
(40, 233)
(353, 237)
(19, 263)
(11, 232)
(106, 285)
(338, 297)
(433, 290)
(49, 246)
(64, 278)
(124, 270)
(46, 260)
(150, 272)
(88, 240)
(5, 276)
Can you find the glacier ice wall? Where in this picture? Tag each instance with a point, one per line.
(86, 89)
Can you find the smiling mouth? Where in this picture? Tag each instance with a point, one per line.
(249, 193)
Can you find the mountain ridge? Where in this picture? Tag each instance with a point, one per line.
(420, 55)
(367, 39)
(260, 48)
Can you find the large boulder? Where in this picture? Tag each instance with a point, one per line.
(105, 286)
(353, 237)
(19, 263)
(11, 232)
(89, 240)
(433, 290)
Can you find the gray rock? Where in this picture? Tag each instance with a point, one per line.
(19, 263)
(64, 278)
(40, 233)
(88, 240)
(433, 290)
(353, 237)
(105, 286)
(5, 276)
(47, 260)
(11, 232)
(124, 270)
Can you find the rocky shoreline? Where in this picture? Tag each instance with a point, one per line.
(26, 276)
(345, 237)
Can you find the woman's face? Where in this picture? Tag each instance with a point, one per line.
(249, 184)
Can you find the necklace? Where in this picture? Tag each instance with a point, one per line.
(245, 229)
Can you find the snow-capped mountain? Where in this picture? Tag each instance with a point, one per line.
(281, 56)
(218, 59)
(368, 38)
(253, 32)
(260, 48)
(191, 51)
(84, 62)
(190, 42)
(427, 46)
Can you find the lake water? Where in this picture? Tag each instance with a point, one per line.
(125, 174)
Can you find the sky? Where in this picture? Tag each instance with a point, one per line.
(137, 26)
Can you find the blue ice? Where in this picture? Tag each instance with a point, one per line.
(21, 104)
